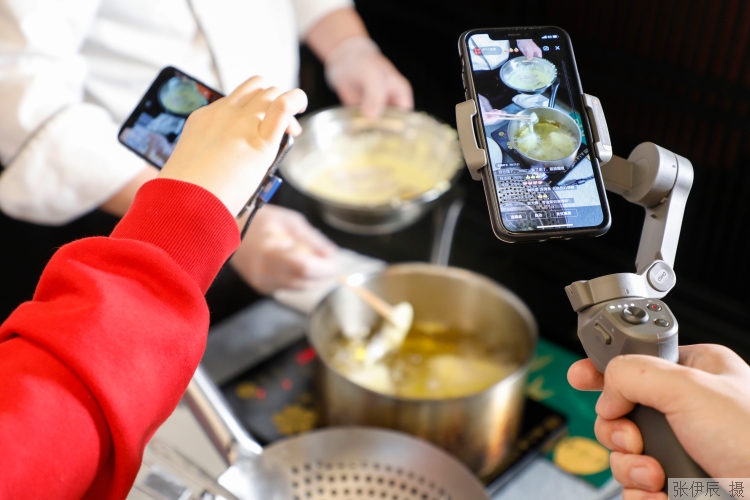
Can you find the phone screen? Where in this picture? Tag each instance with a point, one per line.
(153, 129)
(544, 175)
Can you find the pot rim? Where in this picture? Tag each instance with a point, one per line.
(405, 268)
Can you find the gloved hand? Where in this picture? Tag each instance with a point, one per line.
(706, 399)
(490, 115)
(529, 48)
(282, 250)
(361, 75)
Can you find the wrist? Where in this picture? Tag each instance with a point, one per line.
(187, 222)
(334, 28)
(352, 45)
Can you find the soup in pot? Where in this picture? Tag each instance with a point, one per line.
(435, 361)
(547, 140)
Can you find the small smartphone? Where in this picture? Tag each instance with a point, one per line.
(543, 180)
(154, 127)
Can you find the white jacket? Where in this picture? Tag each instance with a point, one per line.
(71, 71)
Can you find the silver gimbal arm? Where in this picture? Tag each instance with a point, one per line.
(657, 180)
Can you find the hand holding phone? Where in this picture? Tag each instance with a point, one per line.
(154, 127)
(542, 180)
(229, 145)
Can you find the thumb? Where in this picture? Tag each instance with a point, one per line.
(647, 380)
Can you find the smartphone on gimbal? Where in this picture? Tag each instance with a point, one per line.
(542, 180)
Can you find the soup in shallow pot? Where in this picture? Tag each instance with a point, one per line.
(548, 140)
(371, 169)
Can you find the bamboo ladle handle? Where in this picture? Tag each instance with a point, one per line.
(380, 306)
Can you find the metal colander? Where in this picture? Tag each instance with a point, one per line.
(349, 463)
(342, 463)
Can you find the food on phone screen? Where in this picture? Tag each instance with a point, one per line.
(548, 140)
(532, 75)
(181, 95)
(154, 127)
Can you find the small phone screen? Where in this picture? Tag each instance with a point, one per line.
(542, 168)
(154, 128)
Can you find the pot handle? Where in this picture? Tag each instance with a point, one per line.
(445, 219)
(553, 93)
(218, 421)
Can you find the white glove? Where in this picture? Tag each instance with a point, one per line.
(361, 75)
(281, 250)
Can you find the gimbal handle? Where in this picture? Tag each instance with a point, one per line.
(621, 313)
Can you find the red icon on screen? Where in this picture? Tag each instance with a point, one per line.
(478, 51)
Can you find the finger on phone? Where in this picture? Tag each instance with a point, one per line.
(294, 128)
(279, 114)
(259, 102)
(246, 90)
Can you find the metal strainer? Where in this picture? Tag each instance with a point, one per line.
(344, 463)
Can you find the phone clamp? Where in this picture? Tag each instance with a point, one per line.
(474, 156)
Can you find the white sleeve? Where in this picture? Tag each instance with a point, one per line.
(309, 12)
(61, 155)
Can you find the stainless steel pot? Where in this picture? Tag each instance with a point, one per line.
(477, 429)
(552, 114)
(521, 64)
(419, 138)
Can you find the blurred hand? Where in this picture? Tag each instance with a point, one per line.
(490, 116)
(529, 48)
(706, 399)
(227, 146)
(282, 250)
(361, 75)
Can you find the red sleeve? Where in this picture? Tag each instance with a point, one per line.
(98, 360)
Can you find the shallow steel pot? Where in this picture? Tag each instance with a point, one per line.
(516, 64)
(323, 130)
(477, 429)
(549, 114)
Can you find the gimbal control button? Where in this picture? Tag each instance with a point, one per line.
(661, 277)
(662, 322)
(634, 315)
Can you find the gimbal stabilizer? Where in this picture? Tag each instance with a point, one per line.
(622, 313)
